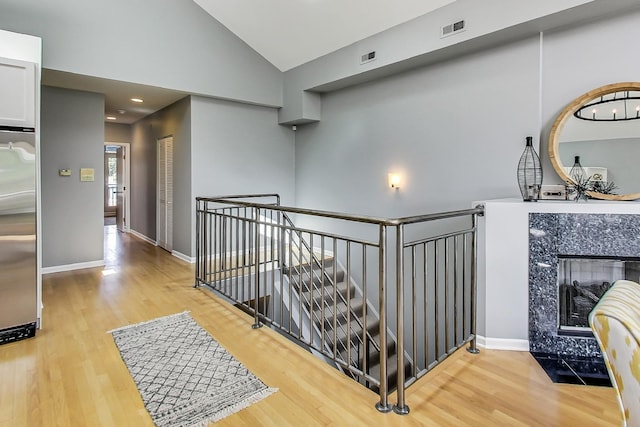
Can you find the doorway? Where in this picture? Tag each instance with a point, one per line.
(116, 185)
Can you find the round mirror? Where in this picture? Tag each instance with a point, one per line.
(599, 133)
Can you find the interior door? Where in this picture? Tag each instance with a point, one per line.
(120, 192)
(109, 185)
(165, 193)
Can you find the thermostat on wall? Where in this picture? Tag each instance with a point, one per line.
(86, 174)
(64, 172)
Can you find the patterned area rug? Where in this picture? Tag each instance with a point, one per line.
(184, 376)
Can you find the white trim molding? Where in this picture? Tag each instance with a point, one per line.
(183, 257)
(75, 266)
(502, 344)
(143, 237)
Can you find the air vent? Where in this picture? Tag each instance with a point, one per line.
(451, 29)
(368, 57)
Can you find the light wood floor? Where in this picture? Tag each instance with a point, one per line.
(71, 373)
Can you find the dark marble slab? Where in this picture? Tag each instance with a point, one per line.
(574, 369)
(588, 235)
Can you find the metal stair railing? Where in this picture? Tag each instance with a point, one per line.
(301, 259)
(366, 338)
(245, 248)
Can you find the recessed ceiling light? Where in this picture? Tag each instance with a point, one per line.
(137, 100)
(111, 118)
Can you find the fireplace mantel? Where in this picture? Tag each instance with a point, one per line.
(503, 264)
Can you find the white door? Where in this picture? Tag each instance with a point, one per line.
(165, 193)
(120, 192)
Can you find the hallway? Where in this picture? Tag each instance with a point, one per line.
(71, 374)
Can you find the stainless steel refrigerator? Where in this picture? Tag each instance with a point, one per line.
(18, 265)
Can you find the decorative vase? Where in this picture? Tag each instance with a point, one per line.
(529, 173)
(577, 172)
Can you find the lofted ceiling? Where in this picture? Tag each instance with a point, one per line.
(287, 33)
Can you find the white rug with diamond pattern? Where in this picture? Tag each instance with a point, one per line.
(184, 376)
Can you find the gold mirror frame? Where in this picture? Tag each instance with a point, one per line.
(558, 125)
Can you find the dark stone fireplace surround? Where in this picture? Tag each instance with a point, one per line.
(579, 235)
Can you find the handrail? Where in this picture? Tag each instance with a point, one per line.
(242, 196)
(426, 278)
(344, 216)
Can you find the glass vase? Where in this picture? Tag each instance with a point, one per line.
(529, 173)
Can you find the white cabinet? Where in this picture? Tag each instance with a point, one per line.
(17, 93)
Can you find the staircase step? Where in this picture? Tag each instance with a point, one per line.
(307, 263)
(374, 356)
(305, 276)
(341, 310)
(328, 314)
(392, 373)
(355, 332)
(341, 290)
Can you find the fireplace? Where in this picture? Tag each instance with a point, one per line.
(582, 281)
(573, 259)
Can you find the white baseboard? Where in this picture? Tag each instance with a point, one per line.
(503, 344)
(143, 237)
(70, 267)
(187, 258)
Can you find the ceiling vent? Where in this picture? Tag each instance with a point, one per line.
(451, 29)
(368, 57)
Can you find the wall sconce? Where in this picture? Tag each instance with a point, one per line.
(394, 180)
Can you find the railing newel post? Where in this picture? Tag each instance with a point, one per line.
(473, 347)
(256, 260)
(199, 213)
(400, 407)
(383, 405)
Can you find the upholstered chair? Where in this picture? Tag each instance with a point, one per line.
(615, 322)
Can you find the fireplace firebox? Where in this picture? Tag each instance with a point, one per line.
(582, 281)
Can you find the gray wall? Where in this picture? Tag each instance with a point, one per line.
(454, 130)
(418, 42)
(72, 132)
(173, 120)
(166, 43)
(220, 147)
(239, 149)
(117, 132)
(143, 180)
(581, 59)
